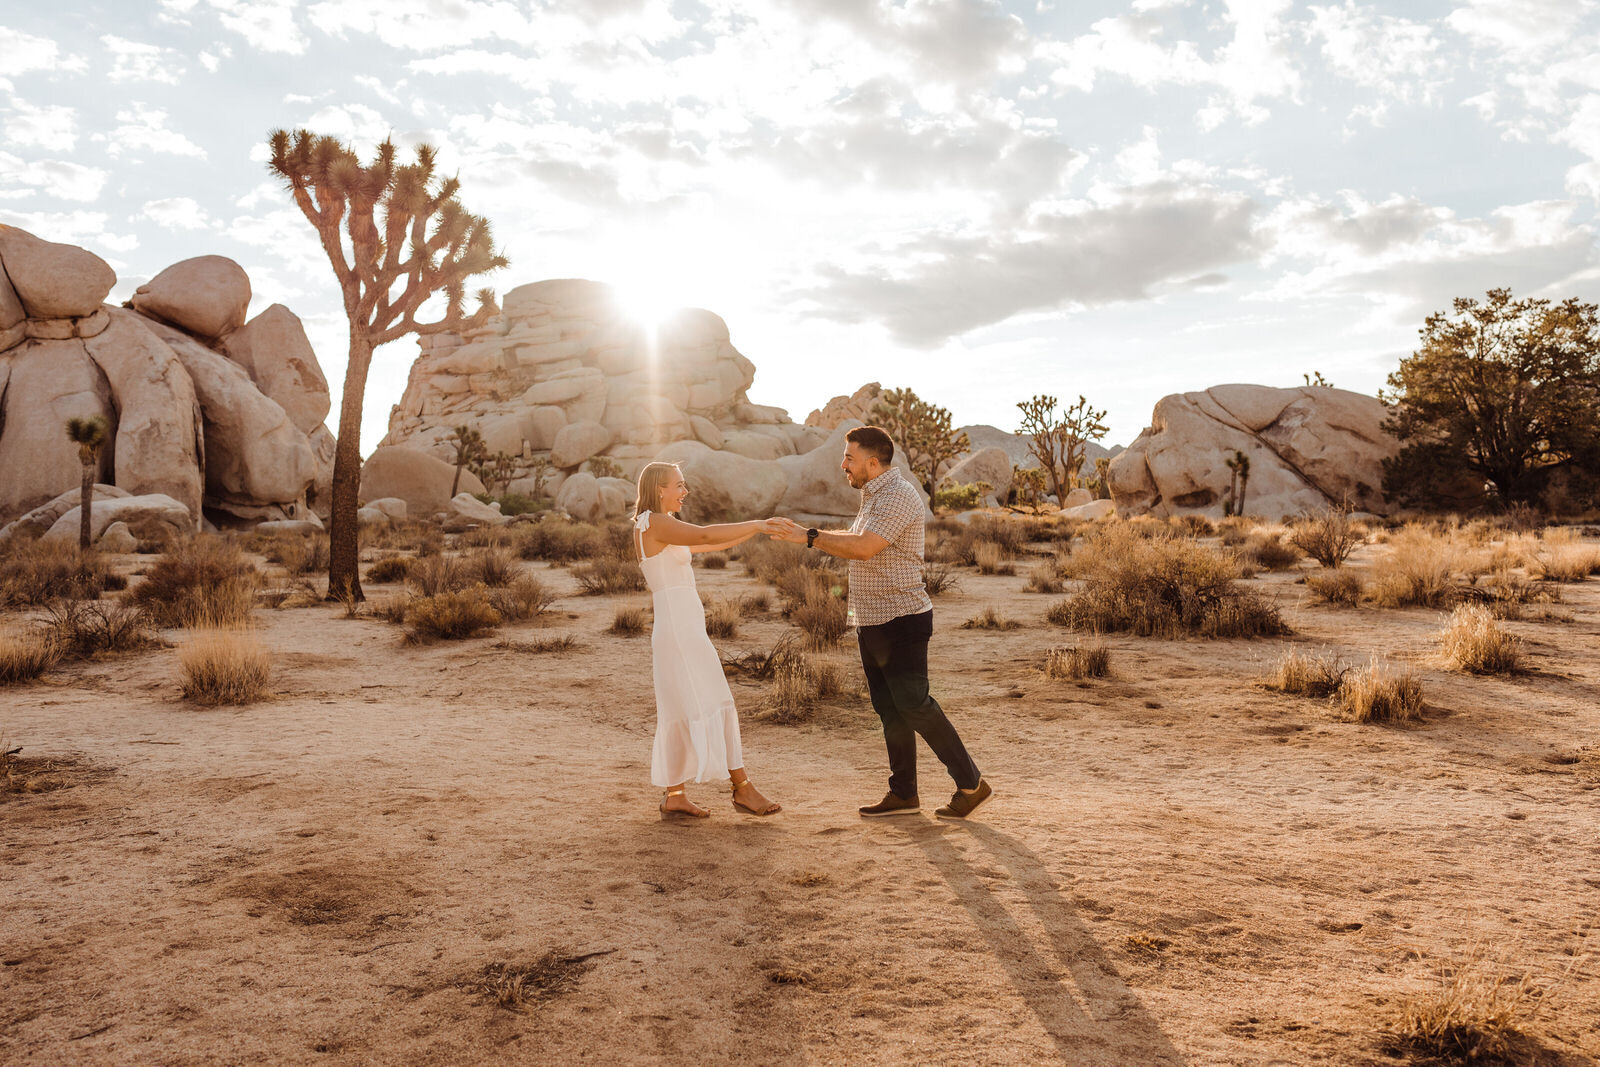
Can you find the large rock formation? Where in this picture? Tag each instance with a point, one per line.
(222, 416)
(1309, 448)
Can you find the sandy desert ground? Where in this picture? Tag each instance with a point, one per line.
(1179, 866)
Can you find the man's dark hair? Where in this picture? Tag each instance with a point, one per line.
(874, 442)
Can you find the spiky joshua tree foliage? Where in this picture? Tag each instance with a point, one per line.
(396, 235)
(90, 436)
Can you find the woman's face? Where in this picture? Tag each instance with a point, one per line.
(673, 492)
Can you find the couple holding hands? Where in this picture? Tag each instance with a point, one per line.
(697, 725)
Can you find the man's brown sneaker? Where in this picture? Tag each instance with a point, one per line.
(891, 805)
(963, 804)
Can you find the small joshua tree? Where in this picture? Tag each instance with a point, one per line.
(395, 235)
(496, 468)
(1059, 442)
(90, 436)
(1239, 466)
(468, 443)
(923, 432)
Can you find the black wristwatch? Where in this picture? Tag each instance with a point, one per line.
(811, 538)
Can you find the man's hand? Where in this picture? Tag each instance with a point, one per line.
(782, 529)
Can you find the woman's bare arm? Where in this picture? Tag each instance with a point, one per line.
(666, 530)
(726, 544)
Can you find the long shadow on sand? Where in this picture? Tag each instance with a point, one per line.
(1100, 1021)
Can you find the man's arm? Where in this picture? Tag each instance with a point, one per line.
(838, 543)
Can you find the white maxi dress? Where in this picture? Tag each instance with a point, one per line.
(697, 726)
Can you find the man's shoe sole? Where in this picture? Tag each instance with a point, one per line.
(885, 814)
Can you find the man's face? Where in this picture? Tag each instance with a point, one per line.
(859, 468)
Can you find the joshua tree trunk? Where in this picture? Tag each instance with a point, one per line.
(344, 542)
(85, 499)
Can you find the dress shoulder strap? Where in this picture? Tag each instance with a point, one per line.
(641, 521)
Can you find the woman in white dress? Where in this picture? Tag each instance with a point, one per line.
(697, 726)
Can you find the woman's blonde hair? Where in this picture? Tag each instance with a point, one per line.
(652, 480)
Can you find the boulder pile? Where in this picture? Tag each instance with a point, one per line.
(218, 416)
(1310, 448)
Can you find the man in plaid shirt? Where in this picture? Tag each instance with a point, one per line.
(893, 616)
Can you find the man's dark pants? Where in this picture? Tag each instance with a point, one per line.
(895, 656)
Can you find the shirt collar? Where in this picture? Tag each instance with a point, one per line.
(881, 481)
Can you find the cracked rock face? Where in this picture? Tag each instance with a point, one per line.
(1309, 448)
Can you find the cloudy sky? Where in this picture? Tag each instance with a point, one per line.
(979, 199)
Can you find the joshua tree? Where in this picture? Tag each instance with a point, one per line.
(395, 235)
(1059, 442)
(1239, 466)
(89, 435)
(496, 468)
(1102, 478)
(468, 443)
(923, 432)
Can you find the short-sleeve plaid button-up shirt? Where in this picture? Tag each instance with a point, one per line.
(889, 584)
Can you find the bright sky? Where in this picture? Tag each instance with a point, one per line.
(980, 200)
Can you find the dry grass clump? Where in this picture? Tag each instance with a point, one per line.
(85, 628)
(1154, 586)
(766, 560)
(560, 540)
(1072, 662)
(1336, 587)
(491, 565)
(1235, 530)
(1193, 525)
(511, 986)
(25, 654)
(1562, 559)
(37, 572)
(799, 685)
(822, 617)
(939, 578)
(1418, 571)
(1376, 693)
(1473, 641)
(756, 603)
(223, 666)
(1268, 550)
(1328, 538)
(1043, 578)
(201, 581)
(989, 619)
(722, 618)
(524, 597)
(298, 553)
(389, 569)
(609, 574)
(434, 575)
(564, 643)
(990, 558)
(629, 622)
(1472, 1015)
(450, 616)
(1307, 674)
(764, 665)
(712, 561)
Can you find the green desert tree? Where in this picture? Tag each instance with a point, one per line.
(922, 430)
(90, 435)
(1500, 395)
(396, 237)
(1059, 441)
(469, 449)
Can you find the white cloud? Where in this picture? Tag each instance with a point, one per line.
(144, 129)
(53, 127)
(210, 62)
(136, 61)
(84, 228)
(1526, 28)
(178, 213)
(1395, 57)
(1140, 161)
(58, 178)
(21, 53)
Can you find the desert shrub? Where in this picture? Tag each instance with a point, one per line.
(37, 572)
(1088, 660)
(450, 616)
(200, 582)
(822, 617)
(1417, 572)
(560, 540)
(391, 609)
(757, 603)
(1012, 535)
(1267, 550)
(1377, 693)
(564, 643)
(1235, 530)
(1194, 525)
(524, 597)
(1307, 674)
(223, 666)
(79, 628)
(1151, 528)
(491, 565)
(1161, 587)
(1473, 641)
(722, 618)
(512, 504)
(989, 619)
(389, 569)
(297, 553)
(713, 561)
(1328, 538)
(766, 560)
(1336, 587)
(628, 622)
(1043, 578)
(606, 574)
(939, 578)
(801, 584)
(990, 558)
(1505, 594)
(764, 665)
(1472, 1015)
(25, 654)
(1562, 560)
(960, 497)
(799, 685)
(434, 575)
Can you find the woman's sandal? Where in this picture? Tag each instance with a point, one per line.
(771, 808)
(679, 813)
